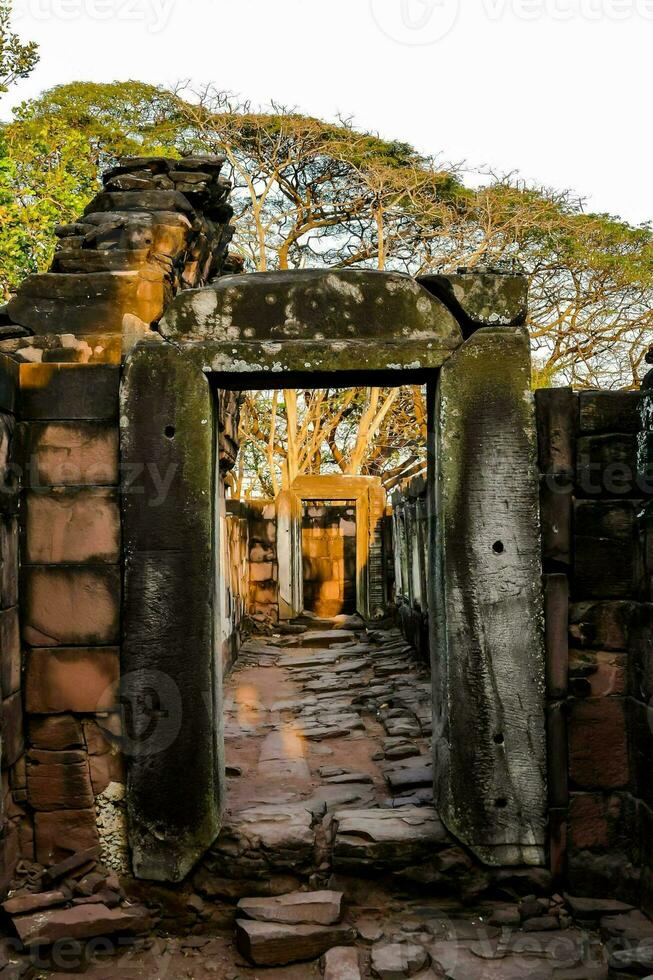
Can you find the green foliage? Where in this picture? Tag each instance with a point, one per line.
(51, 156)
(16, 59)
(310, 193)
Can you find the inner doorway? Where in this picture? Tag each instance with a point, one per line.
(329, 557)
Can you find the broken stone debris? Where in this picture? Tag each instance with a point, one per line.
(78, 898)
(293, 927)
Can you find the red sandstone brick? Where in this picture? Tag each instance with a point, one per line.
(105, 769)
(26, 838)
(18, 780)
(71, 606)
(12, 729)
(58, 780)
(264, 596)
(598, 749)
(8, 563)
(62, 833)
(601, 625)
(56, 732)
(261, 571)
(97, 742)
(9, 651)
(9, 854)
(72, 454)
(75, 679)
(73, 526)
(609, 671)
(591, 820)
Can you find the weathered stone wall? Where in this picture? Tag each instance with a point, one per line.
(263, 591)
(235, 584)
(70, 596)
(250, 562)
(159, 226)
(16, 832)
(599, 624)
(410, 552)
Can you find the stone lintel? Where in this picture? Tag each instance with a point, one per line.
(325, 310)
(481, 299)
(279, 359)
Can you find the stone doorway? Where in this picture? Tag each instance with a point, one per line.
(368, 497)
(329, 557)
(484, 585)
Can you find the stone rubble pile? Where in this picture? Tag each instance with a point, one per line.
(537, 937)
(290, 928)
(159, 225)
(76, 899)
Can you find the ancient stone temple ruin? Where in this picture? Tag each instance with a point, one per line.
(450, 702)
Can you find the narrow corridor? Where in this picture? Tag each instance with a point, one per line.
(337, 715)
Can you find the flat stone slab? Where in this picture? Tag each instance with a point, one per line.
(351, 665)
(595, 908)
(633, 927)
(276, 944)
(80, 922)
(335, 797)
(307, 660)
(341, 963)
(372, 320)
(387, 839)
(400, 780)
(279, 769)
(265, 838)
(349, 777)
(470, 961)
(322, 908)
(320, 732)
(397, 960)
(325, 637)
(23, 904)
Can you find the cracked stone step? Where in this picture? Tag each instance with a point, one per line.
(296, 908)
(387, 839)
(276, 944)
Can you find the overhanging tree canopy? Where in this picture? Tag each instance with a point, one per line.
(314, 193)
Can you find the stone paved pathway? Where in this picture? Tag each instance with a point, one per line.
(329, 787)
(337, 717)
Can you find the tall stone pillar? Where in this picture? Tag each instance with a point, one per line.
(486, 631)
(171, 660)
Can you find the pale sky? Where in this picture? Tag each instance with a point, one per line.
(559, 90)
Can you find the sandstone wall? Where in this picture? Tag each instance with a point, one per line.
(16, 831)
(599, 622)
(263, 591)
(158, 226)
(409, 548)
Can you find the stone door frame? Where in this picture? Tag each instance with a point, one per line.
(369, 498)
(485, 593)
